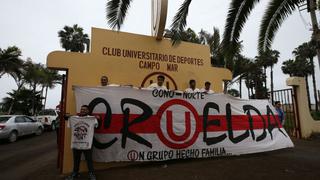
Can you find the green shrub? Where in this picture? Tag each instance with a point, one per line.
(315, 115)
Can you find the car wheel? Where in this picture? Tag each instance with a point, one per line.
(39, 131)
(13, 136)
(53, 126)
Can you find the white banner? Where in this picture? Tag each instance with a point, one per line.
(158, 125)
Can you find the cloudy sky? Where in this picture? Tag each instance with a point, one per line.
(33, 25)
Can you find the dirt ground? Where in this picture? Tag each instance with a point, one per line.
(35, 158)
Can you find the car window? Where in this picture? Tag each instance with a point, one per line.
(4, 119)
(52, 113)
(19, 119)
(28, 119)
(49, 112)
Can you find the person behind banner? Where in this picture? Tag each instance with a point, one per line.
(158, 84)
(82, 132)
(192, 87)
(104, 81)
(206, 88)
(281, 114)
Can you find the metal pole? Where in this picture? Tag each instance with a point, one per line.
(297, 114)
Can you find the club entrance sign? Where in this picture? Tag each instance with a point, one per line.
(133, 59)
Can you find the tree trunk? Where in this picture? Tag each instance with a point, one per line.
(240, 86)
(11, 106)
(265, 76)
(314, 85)
(14, 98)
(271, 83)
(315, 28)
(34, 99)
(45, 98)
(42, 89)
(308, 93)
(88, 45)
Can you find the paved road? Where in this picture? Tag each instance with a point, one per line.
(26, 156)
(35, 158)
(301, 162)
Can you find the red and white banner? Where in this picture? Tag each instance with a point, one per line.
(158, 125)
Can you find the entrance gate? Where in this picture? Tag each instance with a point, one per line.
(288, 100)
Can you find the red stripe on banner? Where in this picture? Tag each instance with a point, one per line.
(152, 125)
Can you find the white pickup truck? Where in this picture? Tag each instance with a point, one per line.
(48, 118)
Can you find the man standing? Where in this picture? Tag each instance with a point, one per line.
(82, 131)
(281, 116)
(206, 88)
(192, 87)
(158, 84)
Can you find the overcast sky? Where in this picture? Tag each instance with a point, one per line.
(33, 25)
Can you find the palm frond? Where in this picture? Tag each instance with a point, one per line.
(116, 12)
(276, 13)
(239, 11)
(215, 42)
(180, 21)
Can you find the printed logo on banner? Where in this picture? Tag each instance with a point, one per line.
(173, 140)
(132, 155)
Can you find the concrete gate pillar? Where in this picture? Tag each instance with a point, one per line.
(307, 124)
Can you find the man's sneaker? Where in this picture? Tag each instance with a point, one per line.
(73, 176)
(92, 176)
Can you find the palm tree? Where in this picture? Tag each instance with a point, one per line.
(20, 81)
(34, 76)
(51, 78)
(262, 61)
(24, 100)
(248, 77)
(254, 79)
(241, 69)
(288, 67)
(299, 67)
(190, 36)
(274, 60)
(239, 10)
(73, 39)
(267, 59)
(206, 38)
(214, 43)
(258, 79)
(10, 62)
(117, 10)
(308, 51)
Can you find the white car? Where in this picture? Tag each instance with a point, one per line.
(48, 118)
(12, 126)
